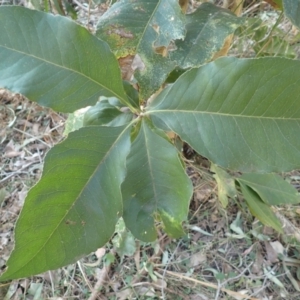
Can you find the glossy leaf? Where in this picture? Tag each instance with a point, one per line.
(271, 188)
(292, 11)
(146, 28)
(226, 185)
(74, 208)
(156, 186)
(55, 62)
(207, 29)
(259, 209)
(242, 114)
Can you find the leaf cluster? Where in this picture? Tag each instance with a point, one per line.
(241, 114)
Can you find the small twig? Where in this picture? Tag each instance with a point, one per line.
(211, 285)
(99, 283)
(104, 274)
(157, 286)
(253, 7)
(238, 276)
(290, 277)
(52, 284)
(17, 172)
(268, 38)
(86, 9)
(164, 273)
(35, 137)
(71, 279)
(84, 276)
(218, 290)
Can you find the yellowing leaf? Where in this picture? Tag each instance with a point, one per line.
(226, 184)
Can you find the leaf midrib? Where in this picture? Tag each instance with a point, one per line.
(147, 26)
(73, 203)
(255, 185)
(150, 165)
(154, 112)
(65, 68)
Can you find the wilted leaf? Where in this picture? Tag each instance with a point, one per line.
(73, 210)
(226, 184)
(241, 114)
(156, 186)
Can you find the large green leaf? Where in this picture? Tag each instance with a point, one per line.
(146, 28)
(55, 62)
(155, 187)
(207, 29)
(292, 11)
(271, 188)
(74, 208)
(242, 114)
(259, 209)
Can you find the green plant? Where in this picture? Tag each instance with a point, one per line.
(241, 114)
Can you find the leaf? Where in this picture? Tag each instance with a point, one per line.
(124, 242)
(75, 120)
(292, 11)
(74, 208)
(173, 76)
(271, 188)
(146, 28)
(207, 29)
(155, 187)
(259, 209)
(226, 185)
(55, 62)
(132, 94)
(103, 113)
(242, 114)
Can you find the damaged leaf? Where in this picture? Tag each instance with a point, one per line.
(147, 28)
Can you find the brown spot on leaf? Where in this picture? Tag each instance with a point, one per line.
(121, 32)
(69, 222)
